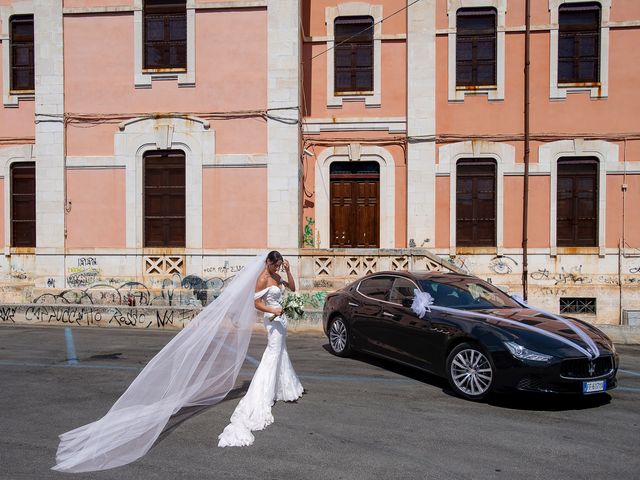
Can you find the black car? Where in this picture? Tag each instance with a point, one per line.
(478, 337)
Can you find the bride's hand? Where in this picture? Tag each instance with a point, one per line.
(285, 265)
(277, 311)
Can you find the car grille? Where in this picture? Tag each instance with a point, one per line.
(539, 385)
(585, 368)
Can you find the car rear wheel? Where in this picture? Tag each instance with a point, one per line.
(470, 371)
(339, 337)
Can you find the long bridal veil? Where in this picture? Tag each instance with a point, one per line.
(199, 366)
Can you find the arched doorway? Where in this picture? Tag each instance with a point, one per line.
(355, 204)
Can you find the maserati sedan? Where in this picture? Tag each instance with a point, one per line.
(470, 332)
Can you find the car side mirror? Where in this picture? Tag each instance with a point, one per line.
(407, 302)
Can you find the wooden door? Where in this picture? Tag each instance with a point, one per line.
(355, 208)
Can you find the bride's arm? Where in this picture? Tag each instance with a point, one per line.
(260, 305)
(290, 281)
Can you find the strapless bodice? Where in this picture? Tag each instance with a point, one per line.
(272, 295)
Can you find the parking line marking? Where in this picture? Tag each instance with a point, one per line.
(635, 374)
(72, 358)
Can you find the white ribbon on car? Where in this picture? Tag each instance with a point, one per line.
(423, 302)
(585, 338)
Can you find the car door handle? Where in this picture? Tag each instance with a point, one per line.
(391, 315)
(351, 304)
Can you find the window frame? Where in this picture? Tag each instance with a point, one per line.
(389, 278)
(31, 165)
(475, 37)
(166, 242)
(164, 12)
(25, 44)
(478, 163)
(143, 78)
(576, 33)
(371, 98)
(393, 285)
(361, 40)
(493, 92)
(11, 98)
(600, 89)
(566, 163)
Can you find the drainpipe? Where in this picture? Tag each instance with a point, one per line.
(525, 203)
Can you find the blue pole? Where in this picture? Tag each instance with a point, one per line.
(72, 358)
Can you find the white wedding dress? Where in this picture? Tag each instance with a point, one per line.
(273, 380)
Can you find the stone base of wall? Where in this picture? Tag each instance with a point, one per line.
(146, 317)
(194, 281)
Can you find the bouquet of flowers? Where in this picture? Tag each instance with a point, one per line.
(292, 307)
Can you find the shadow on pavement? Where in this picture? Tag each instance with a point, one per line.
(186, 413)
(515, 401)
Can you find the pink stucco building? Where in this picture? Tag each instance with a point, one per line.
(165, 142)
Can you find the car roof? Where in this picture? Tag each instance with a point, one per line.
(424, 275)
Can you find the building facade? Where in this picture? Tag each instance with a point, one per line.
(155, 145)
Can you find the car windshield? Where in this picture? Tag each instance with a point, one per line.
(466, 293)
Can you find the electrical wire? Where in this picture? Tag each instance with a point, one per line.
(363, 31)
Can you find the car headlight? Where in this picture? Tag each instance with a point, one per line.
(522, 353)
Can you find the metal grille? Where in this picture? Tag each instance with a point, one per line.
(585, 368)
(577, 305)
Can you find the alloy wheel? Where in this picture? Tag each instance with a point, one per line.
(338, 335)
(471, 372)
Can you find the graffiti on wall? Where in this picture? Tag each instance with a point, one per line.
(307, 236)
(191, 290)
(502, 265)
(91, 315)
(572, 275)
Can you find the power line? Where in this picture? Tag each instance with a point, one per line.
(364, 30)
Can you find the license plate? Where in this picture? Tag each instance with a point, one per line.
(594, 386)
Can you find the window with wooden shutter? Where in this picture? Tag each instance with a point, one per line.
(165, 34)
(23, 204)
(353, 54)
(22, 65)
(579, 43)
(164, 199)
(476, 203)
(577, 202)
(476, 48)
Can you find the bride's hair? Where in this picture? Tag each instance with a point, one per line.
(274, 256)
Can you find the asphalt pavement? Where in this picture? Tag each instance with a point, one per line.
(361, 418)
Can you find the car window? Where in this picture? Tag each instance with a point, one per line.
(376, 287)
(402, 289)
(467, 293)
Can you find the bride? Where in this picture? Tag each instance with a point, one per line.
(199, 366)
(275, 378)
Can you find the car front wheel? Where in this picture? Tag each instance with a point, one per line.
(470, 371)
(339, 337)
